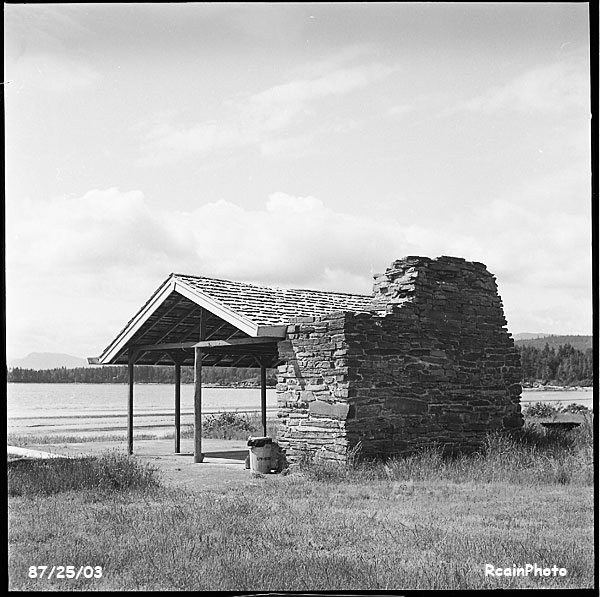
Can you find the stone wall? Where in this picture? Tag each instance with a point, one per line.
(432, 362)
(313, 388)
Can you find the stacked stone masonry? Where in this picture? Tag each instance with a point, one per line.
(430, 363)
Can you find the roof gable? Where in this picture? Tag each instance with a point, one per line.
(247, 309)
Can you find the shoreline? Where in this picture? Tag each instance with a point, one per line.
(139, 383)
(550, 388)
(526, 386)
(161, 420)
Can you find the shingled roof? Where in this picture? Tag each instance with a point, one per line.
(232, 311)
(266, 305)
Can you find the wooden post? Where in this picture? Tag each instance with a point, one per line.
(198, 456)
(130, 363)
(263, 397)
(177, 406)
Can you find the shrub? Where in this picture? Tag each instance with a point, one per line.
(109, 472)
(228, 425)
(540, 409)
(575, 408)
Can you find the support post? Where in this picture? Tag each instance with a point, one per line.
(263, 397)
(177, 407)
(130, 363)
(198, 456)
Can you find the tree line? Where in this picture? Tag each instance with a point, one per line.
(220, 376)
(564, 366)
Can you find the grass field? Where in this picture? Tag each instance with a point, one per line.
(421, 522)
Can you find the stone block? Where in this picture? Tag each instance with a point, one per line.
(306, 396)
(401, 405)
(337, 410)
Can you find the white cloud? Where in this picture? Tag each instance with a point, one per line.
(537, 241)
(550, 88)
(400, 110)
(301, 91)
(84, 235)
(37, 55)
(262, 119)
(58, 74)
(79, 268)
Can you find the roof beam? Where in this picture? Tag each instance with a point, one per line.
(208, 343)
(278, 331)
(241, 358)
(166, 346)
(236, 342)
(217, 329)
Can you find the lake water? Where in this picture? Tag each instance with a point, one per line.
(87, 408)
(82, 408)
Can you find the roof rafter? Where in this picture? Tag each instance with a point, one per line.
(177, 302)
(188, 313)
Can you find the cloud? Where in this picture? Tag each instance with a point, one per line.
(267, 120)
(537, 240)
(51, 73)
(77, 268)
(39, 54)
(85, 235)
(107, 237)
(550, 88)
(295, 145)
(301, 91)
(400, 111)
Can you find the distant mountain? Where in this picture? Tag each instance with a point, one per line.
(47, 360)
(578, 342)
(528, 336)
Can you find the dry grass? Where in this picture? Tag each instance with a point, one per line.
(532, 456)
(109, 472)
(422, 522)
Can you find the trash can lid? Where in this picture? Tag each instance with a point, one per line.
(258, 442)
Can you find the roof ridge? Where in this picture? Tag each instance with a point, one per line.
(369, 296)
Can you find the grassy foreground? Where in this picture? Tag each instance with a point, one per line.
(422, 522)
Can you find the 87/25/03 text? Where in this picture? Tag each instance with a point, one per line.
(65, 572)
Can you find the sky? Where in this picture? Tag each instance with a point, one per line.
(290, 144)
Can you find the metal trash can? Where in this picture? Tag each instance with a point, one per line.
(260, 454)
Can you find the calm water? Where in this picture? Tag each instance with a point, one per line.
(557, 398)
(32, 400)
(64, 408)
(82, 408)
